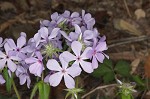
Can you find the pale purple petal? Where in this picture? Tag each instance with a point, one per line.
(63, 62)
(52, 64)
(22, 79)
(15, 58)
(101, 46)
(76, 47)
(46, 79)
(65, 35)
(34, 69)
(2, 80)
(21, 41)
(28, 82)
(87, 66)
(69, 81)
(85, 53)
(54, 16)
(68, 56)
(7, 48)
(11, 65)
(100, 57)
(54, 33)
(2, 63)
(37, 38)
(88, 34)
(94, 63)
(39, 55)
(31, 60)
(2, 55)
(74, 70)
(11, 43)
(55, 79)
(74, 14)
(43, 32)
(77, 29)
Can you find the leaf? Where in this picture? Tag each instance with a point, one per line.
(134, 65)
(44, 90)
(138, 80)
(8, 80)
(34, 91)
(126, 26)
(122, 68)
(140, 13)
(105, 70)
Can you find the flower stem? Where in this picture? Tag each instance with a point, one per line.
(15, 88)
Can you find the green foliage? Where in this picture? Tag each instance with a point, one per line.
(122, 68)
(107, 71)
(73, 92)
(8, 79)
(138, 80)
(44, 90)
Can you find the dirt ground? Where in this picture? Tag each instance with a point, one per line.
(126, 24)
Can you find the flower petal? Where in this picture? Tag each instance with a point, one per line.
(31, 60)
(21, 41)
(55, 79)
(2, 81)
(11, 65)
(100, 57)
(88, 34)
(2, 63)
(85, 54)
(22, 79)
(7, 48)
(101, 46)
(74, 70)
(65, 35)
(77, 29)
(52, 64)
(43, 32)
(2, 55)
(67, 56)
(11, 43)
(54, 33)
(87, 66)
(76, 48)
(69, 81)
(94, 63)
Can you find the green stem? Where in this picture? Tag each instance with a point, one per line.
(125, 96)
(15, 88)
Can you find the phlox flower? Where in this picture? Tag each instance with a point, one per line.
(68, 73)
(7, 59)
(23, 75)
(36, 65)
(78, 57)
(96, 53)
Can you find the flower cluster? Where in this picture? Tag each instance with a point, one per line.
(61, 48)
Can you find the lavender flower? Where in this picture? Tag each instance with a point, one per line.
(8, 59)
(67, 72)
(78, 57)
(2, 80)
(19, 49)
(96, 53)
(23, 75)
(36, 65)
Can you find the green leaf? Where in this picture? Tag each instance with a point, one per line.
(34, 91)
(108, 77)
(8, 80)
(138, 80)
(44, 90)
(122, 68)
(103, 69)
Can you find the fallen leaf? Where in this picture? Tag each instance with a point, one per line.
(147, 67)
(140, 13)
(134, 65)
(123, 25)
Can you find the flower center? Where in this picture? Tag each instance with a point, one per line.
(78, 58)
(18, 49)
(40, 61)
(63, 71)
(7, 56)
(94, 52)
